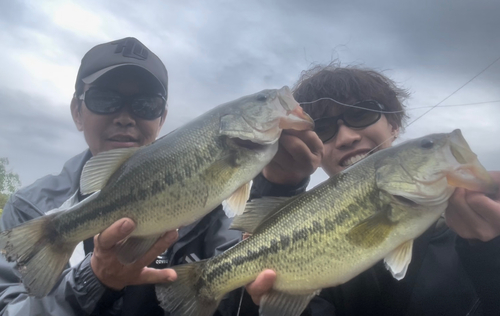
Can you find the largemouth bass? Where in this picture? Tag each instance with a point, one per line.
(328, 235)
(167, 184)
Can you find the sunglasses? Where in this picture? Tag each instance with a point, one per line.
(362, 114)
(148, 107)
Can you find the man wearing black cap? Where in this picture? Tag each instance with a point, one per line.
(119, 101)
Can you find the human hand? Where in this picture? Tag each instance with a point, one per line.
(473, 215)
(262, 285)
(299, 155)
(115, 275)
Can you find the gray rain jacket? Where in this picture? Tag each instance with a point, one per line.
(79, 292)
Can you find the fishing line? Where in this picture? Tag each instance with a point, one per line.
(400, 111)
(431, 107)
(241, 299)
(451, 105)
(487, 67)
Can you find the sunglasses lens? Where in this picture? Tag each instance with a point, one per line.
(356, 117)
(103, 102)
(148, 107)
(326, 128)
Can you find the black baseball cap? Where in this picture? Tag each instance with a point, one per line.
(128, 51)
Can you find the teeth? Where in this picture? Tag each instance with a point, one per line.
(351, 161)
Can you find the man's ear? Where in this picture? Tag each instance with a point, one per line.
(76, 113)
(395, 131)
(162, 118)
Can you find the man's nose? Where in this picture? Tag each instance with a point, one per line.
(346, 137)
(124, 118)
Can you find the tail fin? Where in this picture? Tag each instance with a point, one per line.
(39, 252)
(188, 295)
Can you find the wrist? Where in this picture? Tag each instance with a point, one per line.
(100, 273)
(283, 177)
(88, 286)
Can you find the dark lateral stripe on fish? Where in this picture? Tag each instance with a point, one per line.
(274, 247)
(285, 241)
(135, 195)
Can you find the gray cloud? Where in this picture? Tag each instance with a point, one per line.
(220, 50)
(36, 137)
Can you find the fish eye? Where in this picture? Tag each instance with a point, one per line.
(426, 143)
(261, 97)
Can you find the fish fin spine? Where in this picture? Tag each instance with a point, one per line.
(257, 211)
(187, 296)
(276, 303)
(399, 259)
(39, 252)
(235, 204)
(100, 168)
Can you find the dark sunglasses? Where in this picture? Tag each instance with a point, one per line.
(148, 107)
(363, 114)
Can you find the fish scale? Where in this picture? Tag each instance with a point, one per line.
(170, 183)
(330, 206)
(184, 175)
(328, 235)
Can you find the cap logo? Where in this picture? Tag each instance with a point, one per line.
(130, 47)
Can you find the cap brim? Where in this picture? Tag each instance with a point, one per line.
(96, 75)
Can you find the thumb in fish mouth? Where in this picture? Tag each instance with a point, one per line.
(469, 174)
(472, 177)
(297, 120)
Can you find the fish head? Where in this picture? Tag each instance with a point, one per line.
(260, 117)
(426, 171)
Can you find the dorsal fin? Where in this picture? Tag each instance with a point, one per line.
(256, 212)
(99, 168)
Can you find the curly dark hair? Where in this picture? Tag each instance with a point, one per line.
(346, 84)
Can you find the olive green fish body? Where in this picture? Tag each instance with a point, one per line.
(168, 184)
(311, 233)
(162, 186)
(328, 235)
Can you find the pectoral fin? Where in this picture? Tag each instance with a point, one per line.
(134, 248)
(371, 231)
(277, 303)
(99, 169)
(235, 204)
(399, 259)
(256, 212)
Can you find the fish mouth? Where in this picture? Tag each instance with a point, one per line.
(248, 144)
(295, 117)
(468, 173)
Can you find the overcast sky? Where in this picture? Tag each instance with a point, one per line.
(216, 51)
